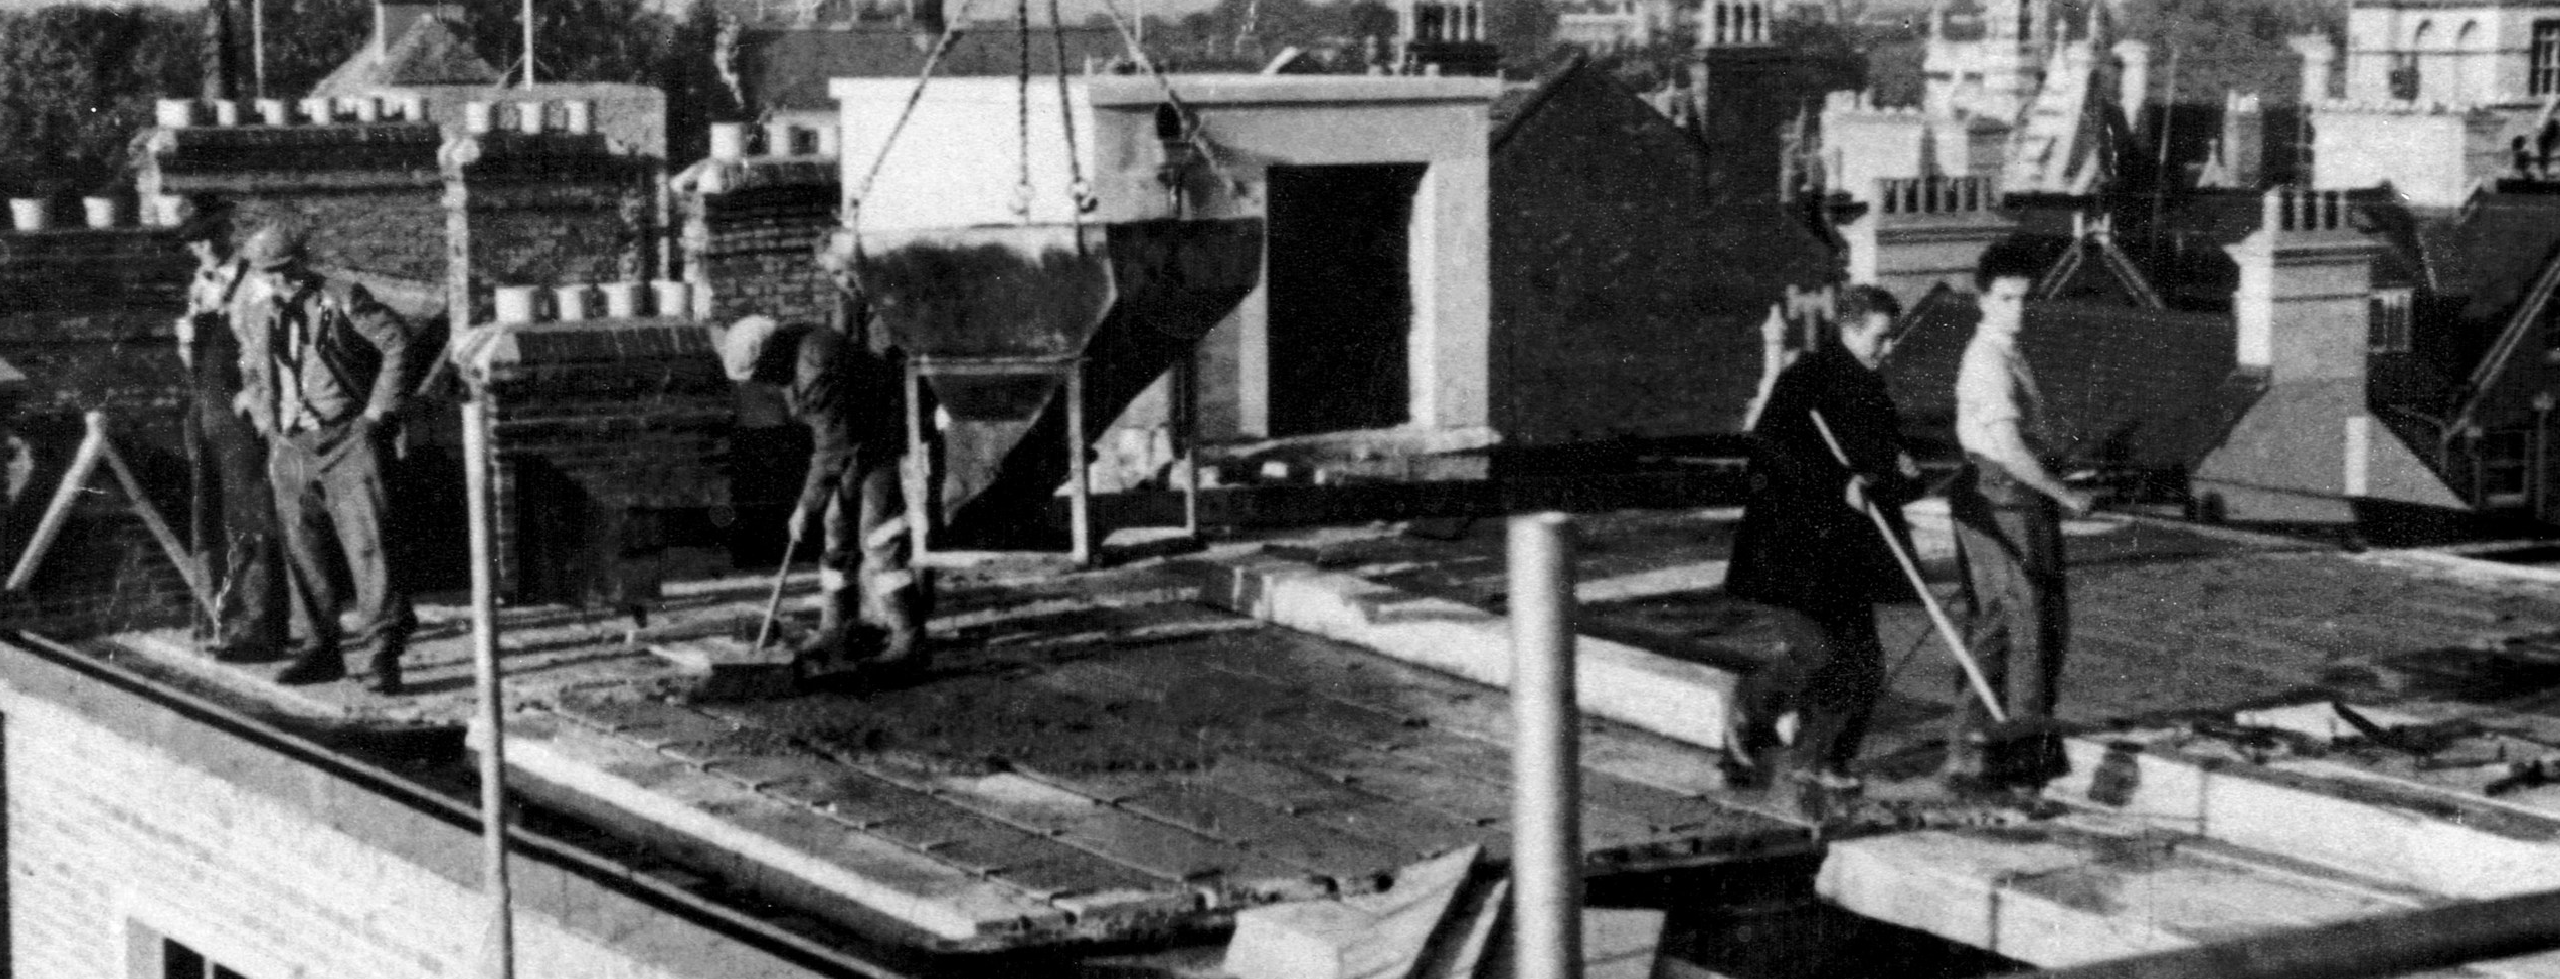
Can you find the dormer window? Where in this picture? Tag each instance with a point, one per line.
(2543, 77)
(2388, 329)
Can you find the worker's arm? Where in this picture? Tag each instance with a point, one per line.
(1987, 424)
(2007, 449)
(384, 329)
(820, 400)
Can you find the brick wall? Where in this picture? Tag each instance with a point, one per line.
(550, 210)
(87, 316)
(123, 811)
(755, 250)
(370, 194)
(603, 430)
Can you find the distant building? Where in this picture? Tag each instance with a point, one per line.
(2436, 99)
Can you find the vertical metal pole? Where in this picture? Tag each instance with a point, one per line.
(1546, 824)
(528, 44)
(1080, 482)
(258, 45)
(1186, 408)
(918, 468)
(499, 949)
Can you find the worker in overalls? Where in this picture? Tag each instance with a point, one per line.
(851, 399)
(321, 369)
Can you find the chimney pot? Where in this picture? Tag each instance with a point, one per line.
(516, 304)
(674, 296)
(579, 116)
(275, 112)
(320, 111)
(174, 113)
(226, 112)
(728, 141)
(101, 212)
(529, 118)
(573, 304)
(621, 299)
(30, 213)
(479, 117)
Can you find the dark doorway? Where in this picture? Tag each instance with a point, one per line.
(1341, 299)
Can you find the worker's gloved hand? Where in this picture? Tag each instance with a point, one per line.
(799, 521)
(1857, 492)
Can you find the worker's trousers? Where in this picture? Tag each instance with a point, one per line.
(241, 551)
(864, 571)
(331, 498)
(2009, 543)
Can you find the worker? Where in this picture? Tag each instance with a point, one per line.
(851, 399)
(240, 546)
(321, 369)
(1807, 547)
(2007, 506)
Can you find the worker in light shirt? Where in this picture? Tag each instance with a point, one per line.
(2007, 507)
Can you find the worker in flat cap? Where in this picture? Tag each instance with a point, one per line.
(235, 520)
(321, 369)
(852, 401)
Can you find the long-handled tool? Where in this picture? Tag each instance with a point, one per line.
(773, 606)
(1911, 571)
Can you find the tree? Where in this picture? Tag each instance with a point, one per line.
(77, 81)
(575, 40)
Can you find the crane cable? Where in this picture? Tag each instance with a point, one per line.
(1190, 127)
(950, 35)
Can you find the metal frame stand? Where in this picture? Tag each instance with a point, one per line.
(919, 473)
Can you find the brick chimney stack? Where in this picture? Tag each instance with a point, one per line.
(1748, 90)
(2306, 277)
(2303, 312)
(1919, 232)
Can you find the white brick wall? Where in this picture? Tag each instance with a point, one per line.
(261, 860)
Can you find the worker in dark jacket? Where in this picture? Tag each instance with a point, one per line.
(236, 528)
(852, 401)
(321, 370)
(1807, 547)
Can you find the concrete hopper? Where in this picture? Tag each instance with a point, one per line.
(1026, 333)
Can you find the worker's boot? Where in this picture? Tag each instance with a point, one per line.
(385, 669)
(316, 664)
(907, 652)
(832, 647)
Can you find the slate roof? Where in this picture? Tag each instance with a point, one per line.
(788, 68)
(434, 51)
(2129, 388)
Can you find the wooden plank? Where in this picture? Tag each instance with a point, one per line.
(2433, 843)
(2075, 891)
(1682, 700)
(1373, 936)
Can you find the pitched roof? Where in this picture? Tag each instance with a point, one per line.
(2127, 387)
(434, 51)
(788, 68)
(2094, 268)
(1520, 101)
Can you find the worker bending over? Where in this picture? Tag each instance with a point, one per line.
(852, 401)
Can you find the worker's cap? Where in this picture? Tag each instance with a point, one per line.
(744, 344)
(203, 217)
(272, 247)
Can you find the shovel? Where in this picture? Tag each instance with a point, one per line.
(773, 606)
